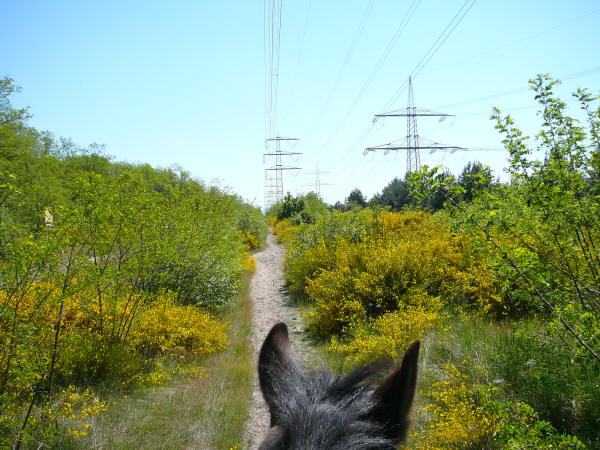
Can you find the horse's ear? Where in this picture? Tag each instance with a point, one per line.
(395, 396)
(274, 360)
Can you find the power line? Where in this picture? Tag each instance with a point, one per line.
(516, 42)
(518, 90)
(344, 65)
(274, 45)
(301, 51)
(437, 44)
(278, 12)
(433, 49)
(402, 26)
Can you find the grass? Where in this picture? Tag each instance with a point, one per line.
(204, 412)
(525, 363)
(518, 357)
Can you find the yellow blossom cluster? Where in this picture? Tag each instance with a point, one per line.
(250, 240)
(456, 418)
(460, 414)
(164, 371)
(249, 263)
(285, 231)
(75, 409)
(390, 334)
(167, 327)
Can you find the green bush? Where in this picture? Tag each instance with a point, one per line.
(314, 247)
(86, 246)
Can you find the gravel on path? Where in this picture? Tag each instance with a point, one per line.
(270, 304)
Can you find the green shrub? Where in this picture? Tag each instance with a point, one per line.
(314, 247)
(460, 414)
(398, 254)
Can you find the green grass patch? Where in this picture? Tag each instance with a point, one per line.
(525, 363)
(519, 358)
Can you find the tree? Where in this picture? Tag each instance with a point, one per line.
(436, 199)
(290, 207)
(356, 198)
(474, 178)
(543, 227)
(395, 195)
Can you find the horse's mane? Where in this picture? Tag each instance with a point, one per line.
(321, 410)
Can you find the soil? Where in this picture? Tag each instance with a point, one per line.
(271, 304)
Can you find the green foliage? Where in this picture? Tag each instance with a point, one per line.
(356, 199)
(252, 225)
(563, 388)
(87, 245)
(546, 224)
(290, 207)
(474, 179)
(395, 196)
(302, 209)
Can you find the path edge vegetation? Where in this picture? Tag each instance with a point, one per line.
(112, 275)
(212, 403)
(512, 357)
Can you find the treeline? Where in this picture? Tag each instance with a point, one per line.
(500, 279)
(104, 266)
(396, 196)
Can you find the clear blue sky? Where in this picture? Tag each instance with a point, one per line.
(183, 82)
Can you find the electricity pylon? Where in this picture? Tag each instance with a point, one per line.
(412, 146)
(274, 173)
(317, 184)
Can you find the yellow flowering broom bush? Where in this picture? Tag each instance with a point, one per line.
(70, 410)
(76, 410)
(460, 414)
(455, 417)
(249, 263)
(250, 240)
(167, 327)
(285, 231)
(402, 252)
(390, 334)
(314, 247)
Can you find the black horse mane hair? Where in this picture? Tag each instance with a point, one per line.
(325, 411)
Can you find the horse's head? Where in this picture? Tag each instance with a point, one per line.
(328, 412)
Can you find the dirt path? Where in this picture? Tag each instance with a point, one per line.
(270, 305)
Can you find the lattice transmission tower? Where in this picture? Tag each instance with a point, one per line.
(412, 140)
(274, 173)
(318, 183)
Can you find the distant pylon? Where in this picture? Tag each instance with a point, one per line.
(412, 147)
(413, 156)
(317, 184)
(274, 173)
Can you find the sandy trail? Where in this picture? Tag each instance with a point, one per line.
(270, 305)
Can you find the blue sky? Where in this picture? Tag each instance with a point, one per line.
(183, 82)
